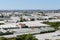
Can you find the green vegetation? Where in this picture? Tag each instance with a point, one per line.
(53, 24)
(57, 39)
(2, 38)
(21, 37)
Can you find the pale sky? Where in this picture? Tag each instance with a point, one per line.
(29, 4)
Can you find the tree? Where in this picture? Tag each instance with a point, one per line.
(21, 37)
(30, 37)
(53, 24)
(3, 38)
(26, 37)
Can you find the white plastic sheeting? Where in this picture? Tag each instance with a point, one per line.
(34, 24)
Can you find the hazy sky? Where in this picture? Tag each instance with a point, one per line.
(29, 4)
